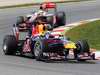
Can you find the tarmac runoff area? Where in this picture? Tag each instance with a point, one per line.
(60, 30)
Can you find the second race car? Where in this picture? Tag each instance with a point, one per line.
(54, 17)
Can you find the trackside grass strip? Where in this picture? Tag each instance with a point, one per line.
(89, 31)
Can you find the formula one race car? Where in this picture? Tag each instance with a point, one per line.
(54, 18)
(47, 46)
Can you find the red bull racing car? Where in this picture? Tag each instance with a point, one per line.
(46, 46)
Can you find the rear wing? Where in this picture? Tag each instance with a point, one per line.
(49, 5)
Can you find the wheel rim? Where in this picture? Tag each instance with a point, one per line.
(78, 47)
(37, 49)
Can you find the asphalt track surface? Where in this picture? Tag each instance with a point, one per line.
(15, 65)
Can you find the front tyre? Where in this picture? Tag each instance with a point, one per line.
(82, 47)
(38, 50)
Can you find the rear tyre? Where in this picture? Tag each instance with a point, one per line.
(20, 20)
(9, 45)
(61, 18)
(50, 21)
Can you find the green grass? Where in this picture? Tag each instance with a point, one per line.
(89, 31)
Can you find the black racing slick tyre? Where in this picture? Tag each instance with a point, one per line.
(82, 46)
(9, 45)
(38, 50)
(60, 18)
(20, 20)
(50, 21)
